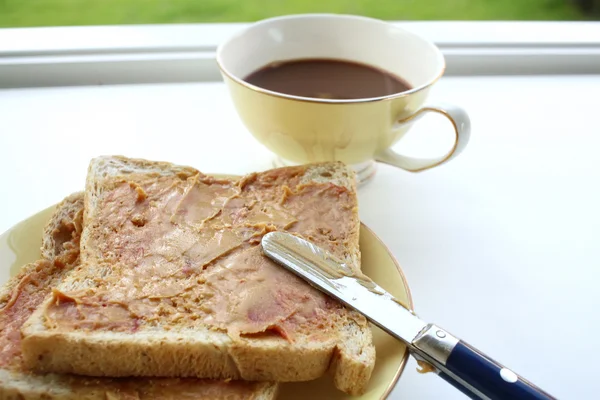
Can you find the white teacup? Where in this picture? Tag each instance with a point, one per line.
(356, 131)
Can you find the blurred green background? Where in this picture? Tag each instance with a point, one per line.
(17, 13)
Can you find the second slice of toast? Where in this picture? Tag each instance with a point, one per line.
(172, 280)
(25, 291)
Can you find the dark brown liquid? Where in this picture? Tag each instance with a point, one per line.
(327, 79)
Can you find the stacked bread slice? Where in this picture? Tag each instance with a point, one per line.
(161, 288)
(27, 290)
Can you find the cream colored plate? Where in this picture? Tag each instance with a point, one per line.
(21, 244)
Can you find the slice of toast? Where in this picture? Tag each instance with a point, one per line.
(173, 281)
(21, 294)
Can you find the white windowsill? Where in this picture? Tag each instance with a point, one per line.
(66, 56)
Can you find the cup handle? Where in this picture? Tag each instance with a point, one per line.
(462, 129)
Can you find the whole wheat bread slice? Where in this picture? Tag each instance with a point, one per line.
(22, 293)
(141, 261)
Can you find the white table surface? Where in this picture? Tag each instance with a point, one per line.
(500, 246)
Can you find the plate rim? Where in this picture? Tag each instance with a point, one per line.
(399, 270)
(406, 355)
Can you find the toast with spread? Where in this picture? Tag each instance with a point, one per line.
(24, 292)
(173, 283)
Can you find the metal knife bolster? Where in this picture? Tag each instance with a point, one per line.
(434, 343)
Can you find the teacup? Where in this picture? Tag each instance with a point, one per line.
(355, 131)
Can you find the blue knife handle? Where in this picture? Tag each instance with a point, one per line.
(472, 372)
(458, 386)
(489, 377)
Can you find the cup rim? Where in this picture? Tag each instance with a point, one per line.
(393, 96)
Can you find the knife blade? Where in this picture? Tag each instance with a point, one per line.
(322, 269)
(466, 368)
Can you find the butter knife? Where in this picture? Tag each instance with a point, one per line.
(466, 368)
